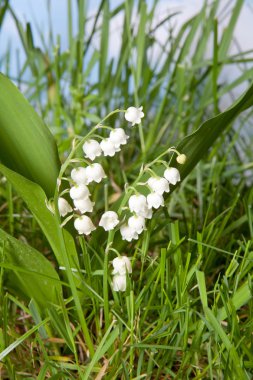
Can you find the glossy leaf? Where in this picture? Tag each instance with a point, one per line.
(196, 145)
(26, 144)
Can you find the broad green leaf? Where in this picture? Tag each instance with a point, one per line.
(26, 144)
(35, 199)
(196, 145)
(61, 241)
(27, 271)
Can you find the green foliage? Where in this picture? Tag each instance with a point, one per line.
(26, 145)
(187, 312)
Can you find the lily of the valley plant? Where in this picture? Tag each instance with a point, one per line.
(137, 208)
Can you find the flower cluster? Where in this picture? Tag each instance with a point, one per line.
(81, 177)
(140, 207)
(121, 267)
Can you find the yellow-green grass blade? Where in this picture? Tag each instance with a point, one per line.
(26, 144)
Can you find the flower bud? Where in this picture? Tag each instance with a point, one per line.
(181, 158)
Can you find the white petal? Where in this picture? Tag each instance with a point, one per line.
(79, 175)
(119, 283)
(84, 225)
(64, 207)
(172, 175)
(92, 149)
(109, 220)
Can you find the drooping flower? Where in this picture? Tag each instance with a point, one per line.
(155, 200)
(134, 115)
(138, 204)
(118, 137)
(121, 265)
(172, 175)
(136, 223)
(109, 220)
(64, 207)
(159, 185)
(79, 192)
(84, 205)
(108, 147)
(95, 172)
(119, 283)
(127, 233)
(84, 225)
(92, 149)
(79, 176)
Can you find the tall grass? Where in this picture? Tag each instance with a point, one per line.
(187, 312)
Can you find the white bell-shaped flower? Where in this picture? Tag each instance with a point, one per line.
(108, 147)
(118, 137)
(64, 207)
(138, 204)
(119, 283)
(136, 223)
(109, 220)
(155, 200)
(84, 205)
(121, 265)
(79, 176)
(95, 172)
(159, 185)
(79, 192)
(172, 175)
(84, 225)
(134, 115)
(92, 149)
(127, 233)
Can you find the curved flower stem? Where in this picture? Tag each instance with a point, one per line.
(80, 143)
